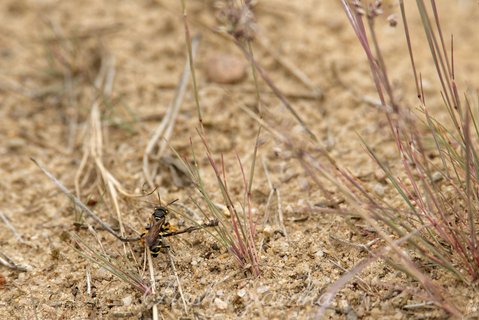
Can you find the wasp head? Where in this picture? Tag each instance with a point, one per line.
(160, 212)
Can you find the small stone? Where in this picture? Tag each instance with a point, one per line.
(319, 253)
(351, 315)
(225, 68)
(303, 184)
(241, 293)
(220, 304)
(280, 247)
(16, 143)
(379, 189)
(268, 230)
(262, 289)
(168, 292)
(344, 305)
(225, 212)
(194, 262)
(436, 177)
(127, 300)
(103, 274)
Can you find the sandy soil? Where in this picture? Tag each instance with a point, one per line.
(53, 58)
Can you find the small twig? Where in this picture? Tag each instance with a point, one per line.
(11, 227)
(266, 173)
(153, 283)
(9, 263)
(427, 304)
(363, 283)
(366, 247)
(88, 282)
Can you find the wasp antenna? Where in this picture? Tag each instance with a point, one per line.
(159, 198)
(149, 192)
(172, 202)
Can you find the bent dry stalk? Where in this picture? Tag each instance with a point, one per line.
(105, 225)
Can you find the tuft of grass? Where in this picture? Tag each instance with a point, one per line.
(440, 195)
(236, 230)
(438, 220)
(450, 241)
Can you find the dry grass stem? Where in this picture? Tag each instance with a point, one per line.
(9, 263)
(9, 225)
(151, 270)
(180, 288)
(82, 206)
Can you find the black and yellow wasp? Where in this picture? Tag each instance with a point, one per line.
(159, 228)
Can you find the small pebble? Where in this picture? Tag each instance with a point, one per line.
(16, 143)
(127, 300)
(241, 293)
(280, 247)
(436, 176)
(220, 304)
(379, 189)
(303, 184)
(268, 230)
(262, 289)
(319, 253)
(225, 68)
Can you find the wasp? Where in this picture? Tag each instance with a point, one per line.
(159, 228)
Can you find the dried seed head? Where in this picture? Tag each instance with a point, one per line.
(374, 9)
(238, 21)
(358, 6)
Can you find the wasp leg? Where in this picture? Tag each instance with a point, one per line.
(167, 228)
(212, 223)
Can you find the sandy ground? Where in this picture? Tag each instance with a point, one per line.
(53, 60)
